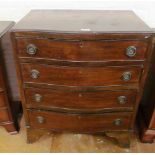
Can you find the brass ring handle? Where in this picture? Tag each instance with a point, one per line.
(38, 97)
(122, 99)
(31, 49)
(34, 74)
(118, 122)
(131, 51)
(126, 76)
(40, 119)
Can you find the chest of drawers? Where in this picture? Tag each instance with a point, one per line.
(9, 107)
(81, 71)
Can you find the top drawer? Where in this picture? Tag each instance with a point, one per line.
(74, 50)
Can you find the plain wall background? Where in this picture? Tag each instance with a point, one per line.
(15, 9)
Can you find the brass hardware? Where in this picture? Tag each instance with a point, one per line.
(122, 99)
(34, 74)
(40, 119)
(118, 122)
(38, 97)
(126, 76)
(131, 51)
(31, 49)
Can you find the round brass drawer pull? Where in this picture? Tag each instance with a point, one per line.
(31, 49)
(34, 74)
(38, 97)
(118, 122)
(122, 99)
(126, 76)
(131, 51)
(40, 119)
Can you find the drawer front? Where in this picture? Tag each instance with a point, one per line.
(4, 115)
(79, 123)
(78, 100)
(80, 76)
(82, 50)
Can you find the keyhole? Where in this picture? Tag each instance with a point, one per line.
(81, 45)
(80, 95)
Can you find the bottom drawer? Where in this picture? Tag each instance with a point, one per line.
(4, 115)
(79, 122)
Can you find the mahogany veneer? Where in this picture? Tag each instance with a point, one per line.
(80, 100)
(81, 71)
(9, 98)
(76, 50)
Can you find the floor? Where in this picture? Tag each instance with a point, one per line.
(66, 143)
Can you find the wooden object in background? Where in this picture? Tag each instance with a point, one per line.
(81, 71)
(9, 96)
(146, 115)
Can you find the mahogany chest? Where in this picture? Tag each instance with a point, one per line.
(81, 71)
(9, 98)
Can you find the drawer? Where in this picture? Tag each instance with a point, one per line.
(79, 122)
(73, 50)
(4, 115)
(2, 99)
(80, 76)
(80, 100)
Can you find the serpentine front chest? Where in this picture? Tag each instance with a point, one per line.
(81, 71)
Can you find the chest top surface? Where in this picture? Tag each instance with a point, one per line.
(79, 21)
(4, 26)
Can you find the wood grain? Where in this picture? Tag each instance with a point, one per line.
(4, 115)
(76, 50)
(90, 62)
(80, 76)
(79, 123)
(82, 21)
(81, 101)
(9, 109)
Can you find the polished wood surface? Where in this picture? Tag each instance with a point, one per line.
(79, 123)
(77, 101)
(82, 21)
(76, 50)
(80, 76)
(10, 69)
(9, 108)
(4, 115)
(55, 62)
